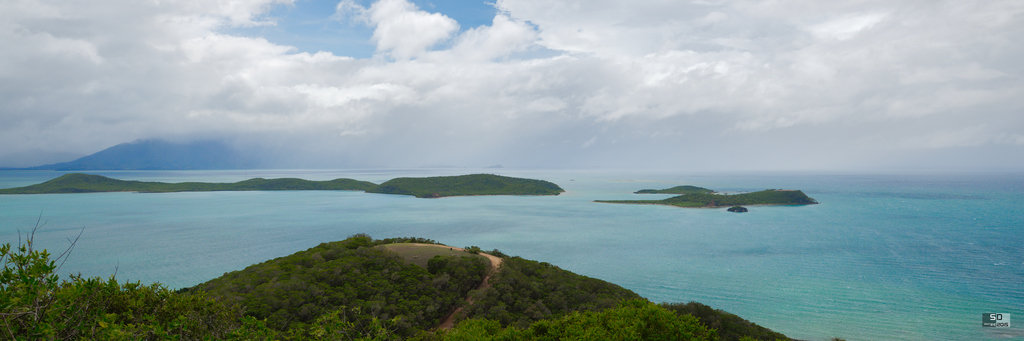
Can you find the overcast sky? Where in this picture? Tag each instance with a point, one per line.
(688, 85)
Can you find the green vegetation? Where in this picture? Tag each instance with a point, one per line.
(420, 254)
(36, 305)
(353, 278)
(355, 289)
(525, 291)
(630, 320)
(729, 326)
(677, 190)
(766, 197)
(462, 185)
(86, 183)
(737, 209)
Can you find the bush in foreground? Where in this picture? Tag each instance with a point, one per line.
(631, 320)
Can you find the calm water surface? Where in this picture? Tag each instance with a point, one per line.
(883, 257)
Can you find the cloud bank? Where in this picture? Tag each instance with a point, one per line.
(739, 85)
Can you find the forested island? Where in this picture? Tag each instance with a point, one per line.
(355, 289)
(88, 183)
(765, 197)
(677, 190)
(464, 185)
(430, 187)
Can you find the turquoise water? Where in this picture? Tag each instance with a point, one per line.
(883, 257)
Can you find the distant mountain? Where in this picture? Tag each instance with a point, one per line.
(157, 155)
(34, 158)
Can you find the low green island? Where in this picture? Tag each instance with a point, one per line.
(88, 183)
(466, 185)
(359, 288)
(677, 190)
(430, 187)
(712, 200)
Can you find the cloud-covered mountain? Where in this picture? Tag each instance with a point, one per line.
(158, 155)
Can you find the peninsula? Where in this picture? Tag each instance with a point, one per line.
(765, 197)
(432, 187)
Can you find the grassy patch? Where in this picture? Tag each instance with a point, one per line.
(420, 254)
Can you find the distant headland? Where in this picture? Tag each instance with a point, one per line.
(431, 187)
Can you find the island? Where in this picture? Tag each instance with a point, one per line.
(765, 197)
(466, 185)
(677, 190)
(737, 209)
(431, 187)
(88, 183)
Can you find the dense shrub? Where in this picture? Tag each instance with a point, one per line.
(631, 320)
(730, 327)
(36, 304)
(525, 291)
(354, 277)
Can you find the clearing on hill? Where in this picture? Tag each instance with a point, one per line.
(419, 254)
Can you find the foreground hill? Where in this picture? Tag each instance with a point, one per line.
(355, 289)
(355, 278)
(86, 183)
(157, 155)
(370, 285)
(462, 185)
(365, 279)
(765, 197)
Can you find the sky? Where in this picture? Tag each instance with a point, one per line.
(707, 85)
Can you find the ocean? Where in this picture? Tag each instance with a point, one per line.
(882, 257)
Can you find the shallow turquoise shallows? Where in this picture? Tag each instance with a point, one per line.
(883, 257)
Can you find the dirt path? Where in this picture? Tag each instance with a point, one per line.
(495, 263)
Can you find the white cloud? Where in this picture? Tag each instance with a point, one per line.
(402, 29)
(78, 77)
(503, 37)
(846, 27)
